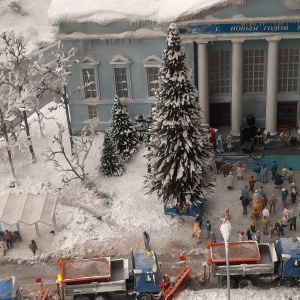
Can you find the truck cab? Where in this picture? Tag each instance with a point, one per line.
(288, 251)
(147, 276)
(9, 289)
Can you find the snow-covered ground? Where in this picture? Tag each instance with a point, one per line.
(124, 208)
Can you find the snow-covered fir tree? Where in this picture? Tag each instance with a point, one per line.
(180, 151)
(111, 163)
(123, 133)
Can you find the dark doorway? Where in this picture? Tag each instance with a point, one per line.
(287, 114)
(219, 114)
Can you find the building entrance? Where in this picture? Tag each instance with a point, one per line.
(219, 114)
(287, 114)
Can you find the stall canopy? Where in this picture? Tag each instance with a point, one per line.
(28, 208)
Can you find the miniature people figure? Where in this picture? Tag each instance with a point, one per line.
(264, 174)
(293, 195)
(213, 238)
(264, 225)
(290, 174)
(265, 212)
(252, 223)
(251, 183)
(246, 191)
(257, 206)
(264, 201)
(8, 238)
(284, 172)
(249, 235)
(229, 181)
(229, 143)
(257, 171)
(227, 212)
(220, 144)
(255, 214)
(280, 226)
(3, 247)
(259, 136)
(245, 203)
(256, 196)
(292, 221)
(261, 191)
(258, 236)
(274, 169)
(241, 235)
(208, 229)
(146, 237)
(267, 141)
(196, 231)
(239, 171)
(212, 137)
(199, 220)
(33, 246)
(225, 168)
(284, 194)
(278, 180)
(273, 229)
(272, 204)
(283, 138)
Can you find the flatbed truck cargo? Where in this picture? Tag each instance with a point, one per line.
(280, 261)
(9, 289)
(104, 278)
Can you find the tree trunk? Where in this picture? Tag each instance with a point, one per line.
(33, 158)
(8, 148)
(66, 104)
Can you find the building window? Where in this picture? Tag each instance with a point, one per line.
(219, 72)
(121, 82)
(253, 71)
(152, 80)
(89, 81)
(122, 76)
(92, 111)
(152, 66)
(288, 70)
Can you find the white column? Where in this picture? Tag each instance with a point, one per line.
(237, 87)
(272, 81)
(203, 82)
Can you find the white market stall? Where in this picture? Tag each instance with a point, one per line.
(28, 209)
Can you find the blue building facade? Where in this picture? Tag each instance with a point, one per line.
(244, 58)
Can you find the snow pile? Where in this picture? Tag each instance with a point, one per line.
(109, 11)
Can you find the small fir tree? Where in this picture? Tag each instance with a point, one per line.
(123, 133)
(180, 152)
(111, 163)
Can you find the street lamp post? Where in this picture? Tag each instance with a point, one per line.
(226, 230)
(143, 128)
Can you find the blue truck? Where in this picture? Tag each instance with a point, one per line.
(103, 278)
(9, 289)
(265, 262)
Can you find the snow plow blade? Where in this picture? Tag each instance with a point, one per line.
(168, 293)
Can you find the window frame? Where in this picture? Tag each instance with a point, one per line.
(122, 62)
(90, 63)
(152, 61)
(220, 79)
(284, 67)
(251, 69)
(92, 107)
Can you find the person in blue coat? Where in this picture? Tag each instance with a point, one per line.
(257, 171)
(278, 181)
(220, 144)
(208, 229)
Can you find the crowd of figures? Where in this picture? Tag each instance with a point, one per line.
(261, 204)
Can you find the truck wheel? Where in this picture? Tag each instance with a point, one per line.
(144, 296)
(81, 298)
(233, 284)
(102, 297)
(245, 283)
(289, 282)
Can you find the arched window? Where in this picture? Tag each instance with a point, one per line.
(152, 66)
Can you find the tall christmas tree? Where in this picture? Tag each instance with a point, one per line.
(111, 163)
(180, 152)
(122, 130)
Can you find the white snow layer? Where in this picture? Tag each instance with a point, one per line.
(109, 11)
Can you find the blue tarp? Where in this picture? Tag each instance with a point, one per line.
(191, 212)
